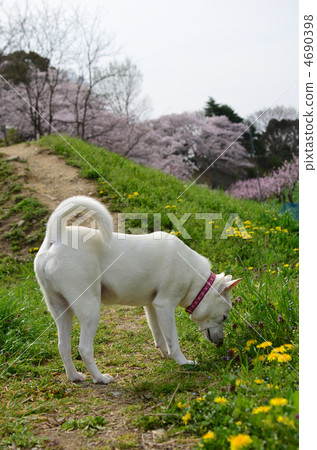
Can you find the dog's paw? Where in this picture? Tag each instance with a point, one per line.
(103, 379)
(77, 377)
(190, 362)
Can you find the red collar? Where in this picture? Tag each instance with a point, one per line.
(201, 294)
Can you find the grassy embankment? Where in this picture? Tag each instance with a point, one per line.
(232, 390)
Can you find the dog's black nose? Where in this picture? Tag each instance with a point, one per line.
(219, 344)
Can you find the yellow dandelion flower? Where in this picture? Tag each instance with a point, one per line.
(180, 200)
(220, 400)
(264, 344)
(172, 232)
(250, 268)
(209, 435)
(280, 349)
(284, 358)
(100, 192)
(239, 423)
(261, 358)
(167, 206)
(258, 381)
(273, 356)
(286, 421)
(250, 342)
(261, 409)
(286, 265)
(297, 264)
(180, 405)
(135, 193)
(186, 418)
(239, 441)
(240, 382)
(271, 386)
(278, 401)
(35, 249)
(295, 249)
(200, 399)
(288, 346)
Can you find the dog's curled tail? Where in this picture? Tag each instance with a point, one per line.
(87, 208)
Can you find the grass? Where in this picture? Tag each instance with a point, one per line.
(157, 393)
(22, 218)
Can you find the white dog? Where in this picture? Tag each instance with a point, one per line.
(78, 268)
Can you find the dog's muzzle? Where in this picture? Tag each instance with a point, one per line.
(214, 338)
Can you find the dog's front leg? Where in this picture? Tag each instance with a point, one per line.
(165, 314)
(156, 330)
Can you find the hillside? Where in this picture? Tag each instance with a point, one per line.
(147, 405)
(28, 171)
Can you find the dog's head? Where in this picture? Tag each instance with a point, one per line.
(212, 312)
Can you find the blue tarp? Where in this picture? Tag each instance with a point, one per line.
(292, 208)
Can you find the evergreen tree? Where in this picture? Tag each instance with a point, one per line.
(215, 109)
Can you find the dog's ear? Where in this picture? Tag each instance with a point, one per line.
(219, 278)
(229, 285)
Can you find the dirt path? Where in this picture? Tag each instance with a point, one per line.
(48, 178)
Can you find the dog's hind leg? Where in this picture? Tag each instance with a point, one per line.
(156, 330)
(87, 309)
(63, 316)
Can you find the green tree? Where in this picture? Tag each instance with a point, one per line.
(281, 142)
(215, 109)
(18, 67)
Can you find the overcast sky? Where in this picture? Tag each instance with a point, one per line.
(243, 53)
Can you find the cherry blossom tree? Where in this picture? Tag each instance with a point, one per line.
(277, 184)
(186, 145)
(82, 91)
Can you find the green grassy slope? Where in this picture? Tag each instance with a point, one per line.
(266, 309)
